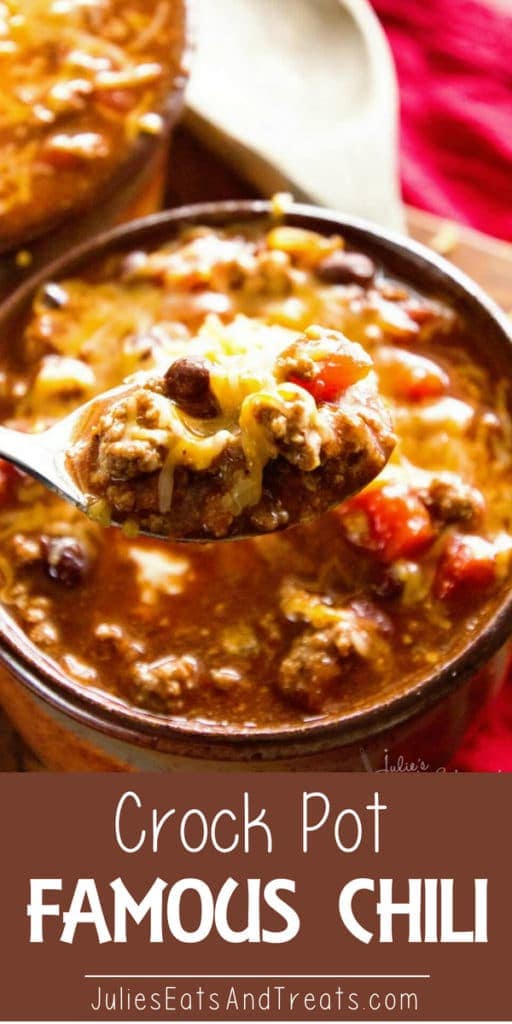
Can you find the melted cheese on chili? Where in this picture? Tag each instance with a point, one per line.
(241, 359)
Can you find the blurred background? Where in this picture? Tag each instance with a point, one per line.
(454, 66)
(316, 98)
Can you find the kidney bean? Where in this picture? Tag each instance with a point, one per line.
(66, 560)
(188, 384)
(388, 586)
(346, 268)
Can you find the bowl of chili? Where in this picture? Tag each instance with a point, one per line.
(371, 632)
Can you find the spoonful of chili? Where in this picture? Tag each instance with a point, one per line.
(254, 429)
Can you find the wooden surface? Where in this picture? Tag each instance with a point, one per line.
(195, 175)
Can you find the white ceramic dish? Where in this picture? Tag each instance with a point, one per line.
(300, 95)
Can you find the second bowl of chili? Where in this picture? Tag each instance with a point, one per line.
(90, 92)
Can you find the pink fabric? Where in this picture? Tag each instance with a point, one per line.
(488, 748)
(454, 64)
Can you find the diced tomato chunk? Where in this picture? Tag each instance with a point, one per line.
(420, 312)
(69, 151)
(389, 520)
(341, 368)
(192, 307)
(8, 476)
(406, 375)
(120, 100)
(468, 564)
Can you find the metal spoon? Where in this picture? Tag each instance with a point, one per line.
(43, 455)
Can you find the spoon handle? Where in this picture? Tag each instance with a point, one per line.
(24, 451)
(42, 456)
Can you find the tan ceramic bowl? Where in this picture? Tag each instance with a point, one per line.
(71, 727)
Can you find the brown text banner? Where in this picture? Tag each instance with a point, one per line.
(256, 897)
